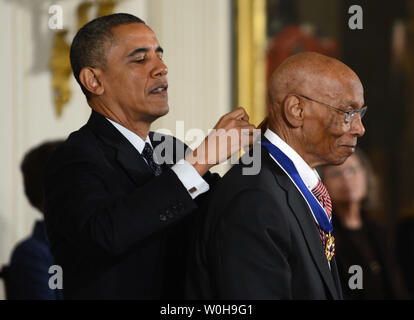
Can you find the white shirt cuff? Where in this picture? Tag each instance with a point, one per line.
(190, 178)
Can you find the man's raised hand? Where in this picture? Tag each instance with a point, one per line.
(231, 133)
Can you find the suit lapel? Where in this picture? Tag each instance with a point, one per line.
(335, 275)
(307, 223)
(135, 166)
(125, 153)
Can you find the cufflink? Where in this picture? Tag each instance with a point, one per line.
(192, 190)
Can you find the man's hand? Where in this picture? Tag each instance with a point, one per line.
(231, 133)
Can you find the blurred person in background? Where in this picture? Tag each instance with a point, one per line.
(360, 237)
(28, 273)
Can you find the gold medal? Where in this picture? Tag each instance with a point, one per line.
(330, 247)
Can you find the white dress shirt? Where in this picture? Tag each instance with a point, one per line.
(187, 174)
(309, 176)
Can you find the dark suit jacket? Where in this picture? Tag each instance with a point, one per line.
(28, 273)
(118, 231)
(405, 252)
(260, 241)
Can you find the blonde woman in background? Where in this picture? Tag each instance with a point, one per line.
(360, 240)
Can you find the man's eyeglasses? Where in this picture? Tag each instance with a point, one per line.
(349, 115)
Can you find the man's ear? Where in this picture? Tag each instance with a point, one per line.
(91, 80)
(293, 111)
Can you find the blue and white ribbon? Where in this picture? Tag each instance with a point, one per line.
(288, 166)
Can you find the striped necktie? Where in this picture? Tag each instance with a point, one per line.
(322, 195)
(148, 154)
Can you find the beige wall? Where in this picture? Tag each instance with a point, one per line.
(195, 35)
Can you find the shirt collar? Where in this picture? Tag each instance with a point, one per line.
(133, 138)
(309, 176)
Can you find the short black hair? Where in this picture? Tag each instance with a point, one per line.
(33, 167)
(90, 45)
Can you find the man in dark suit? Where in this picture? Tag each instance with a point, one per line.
(268, 236)
(116, 215)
